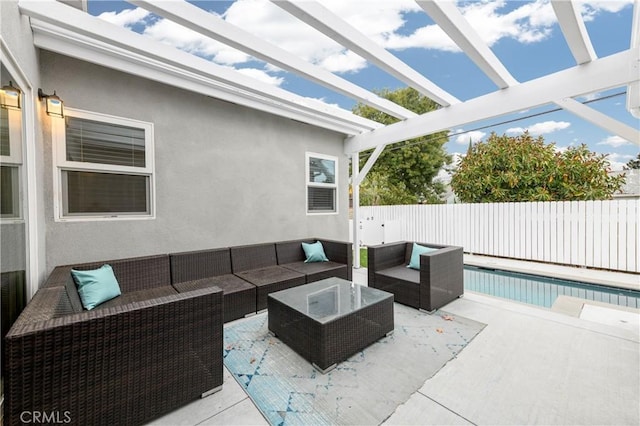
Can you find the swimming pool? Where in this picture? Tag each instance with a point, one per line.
(542, 291)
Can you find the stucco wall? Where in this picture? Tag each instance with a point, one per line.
(224, 174)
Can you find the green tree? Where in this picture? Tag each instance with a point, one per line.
(634, 163)
(522, 168)
(404, 172)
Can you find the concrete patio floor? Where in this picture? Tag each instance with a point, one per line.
(528, 366)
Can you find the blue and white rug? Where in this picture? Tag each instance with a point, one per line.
(365, 389)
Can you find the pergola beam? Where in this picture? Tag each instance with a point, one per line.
(209, 25)
(325, 21)
(599, 119)
(574, 30)
(601, 74)
(449, 18)
(633, 90)
(368, 165)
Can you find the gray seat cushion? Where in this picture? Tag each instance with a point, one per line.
(402, 273)
(269, 275)
(313, 267)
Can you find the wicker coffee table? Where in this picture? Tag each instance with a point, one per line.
(328, 321)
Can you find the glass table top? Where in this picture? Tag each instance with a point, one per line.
(330, 298)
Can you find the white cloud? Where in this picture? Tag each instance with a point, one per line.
(618, 161)
(529, 23)
(473, 136)
(126, 17)
(614, 141)
(324, 101)
(540, 128)
(590, 8)
(261, 76)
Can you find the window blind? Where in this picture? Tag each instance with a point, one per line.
(321, 199)
(91, 192)
(95, 142)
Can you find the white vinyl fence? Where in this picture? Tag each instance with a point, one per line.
(599, 234)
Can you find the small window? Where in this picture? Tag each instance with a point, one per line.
(322, 185)
(106, 168)
(10, 163)
(9, 187)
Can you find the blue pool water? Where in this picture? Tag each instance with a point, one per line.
(542, 291)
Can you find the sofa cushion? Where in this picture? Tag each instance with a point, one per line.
(314, 252)
(313, 267)
(416, 251)
(402, 273)
(96, 286)
(270, 275)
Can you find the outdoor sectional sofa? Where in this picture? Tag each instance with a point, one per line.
(154, 348)
(438, 281)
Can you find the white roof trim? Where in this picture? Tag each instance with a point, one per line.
(63, 29)
(209, 25)
(325, 21)
(574, 30)
(449, 18)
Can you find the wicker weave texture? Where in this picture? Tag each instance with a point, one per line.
(239, 295)
(439, 281)
(327, 344)
(125, 364)
(189, 266)
(245, 258)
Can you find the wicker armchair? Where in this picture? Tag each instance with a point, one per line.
(128, 361)
(438, 282)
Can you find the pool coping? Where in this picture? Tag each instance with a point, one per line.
(614, 279)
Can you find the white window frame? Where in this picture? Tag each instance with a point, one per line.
(309, 184)
(61, 164)
(14, 159)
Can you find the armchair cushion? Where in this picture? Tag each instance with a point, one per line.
(314, 252)
(96, 286)
(415, 255)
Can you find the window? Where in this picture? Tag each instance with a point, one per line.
(105, 166)
(322, 185)
(10, 163)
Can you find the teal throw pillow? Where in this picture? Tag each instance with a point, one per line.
(314, 252)
(415, 255)
(96, 286)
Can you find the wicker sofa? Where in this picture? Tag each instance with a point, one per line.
(438, 282)
(157, 346)
(247, 274)
(128, 361)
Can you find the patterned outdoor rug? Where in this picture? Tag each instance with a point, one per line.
(365, 389)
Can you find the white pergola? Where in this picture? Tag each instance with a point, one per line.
(63, 29)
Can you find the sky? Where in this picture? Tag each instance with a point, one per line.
(524, 35)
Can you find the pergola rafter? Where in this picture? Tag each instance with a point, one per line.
(209, 25)
(325, 21)
(449, 18)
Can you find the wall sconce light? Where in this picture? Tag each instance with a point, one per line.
(10, 97)
(54, 104)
